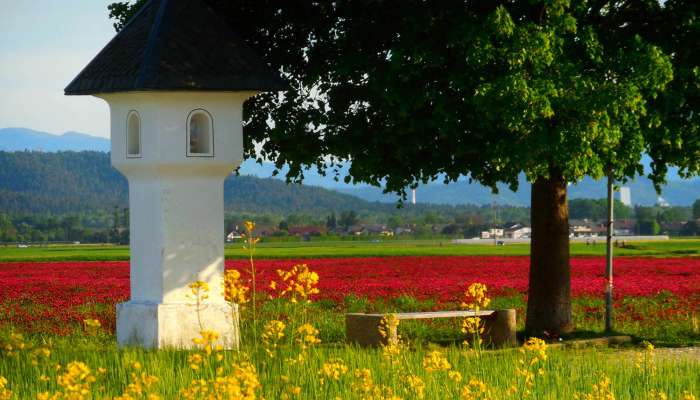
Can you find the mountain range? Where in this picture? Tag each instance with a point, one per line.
(20, 139)
(676, 192)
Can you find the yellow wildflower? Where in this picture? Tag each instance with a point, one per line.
(686, 395)
(195, 360)
(475, 297)
(249, 226)
(234, 290)
(75, 383)
(242, 383)
(657, 395)
(12, 344)
(534, 354)
(307, 336)
(139, 386)
(333, 370)
(455, 376)
(645, 359)
(475, 390)
(436, 361)
(92, 323)
(416, 386)
(600, 391)
(5, 393)
(366, 389)
(272, 335)
(291, 391)
(298, 284)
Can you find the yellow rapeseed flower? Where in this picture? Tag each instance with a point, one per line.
(272, 335)
(75, 383)
(195, 360)
(298, 283)
(199, 289)
(332, 370)
(307, 335)
(242, 383)
(475, 297)
(416, 386)
(5, 393)
(249, 226)
(686, 395)
(365, 388)
(601, 390)
(656, 395)
(475, 390)
(454, 376)
(530, 365)
(234, 290)
(435, 361)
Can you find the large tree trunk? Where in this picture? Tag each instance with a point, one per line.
(549, 294)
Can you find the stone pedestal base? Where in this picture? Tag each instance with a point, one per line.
(174, 325)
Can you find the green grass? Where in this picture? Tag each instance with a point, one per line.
(566, 371)
(670, 248)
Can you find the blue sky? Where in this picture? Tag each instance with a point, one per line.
(43, 45)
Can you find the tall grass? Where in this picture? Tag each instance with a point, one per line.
(566, 372)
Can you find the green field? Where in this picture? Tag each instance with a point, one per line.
(670, 248)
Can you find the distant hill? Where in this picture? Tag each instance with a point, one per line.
(677, 192)
(32, 182)
(20, 139)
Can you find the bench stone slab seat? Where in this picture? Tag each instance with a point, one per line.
(499, 325)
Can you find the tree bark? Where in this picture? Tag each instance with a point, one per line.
(549, 293)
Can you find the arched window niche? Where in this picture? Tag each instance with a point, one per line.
(133, 135)
(200, 134)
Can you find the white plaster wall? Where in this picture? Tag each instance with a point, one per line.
(176, 202)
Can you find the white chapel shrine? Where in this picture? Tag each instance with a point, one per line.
(175, 78)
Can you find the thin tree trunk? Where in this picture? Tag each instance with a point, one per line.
(549, 294)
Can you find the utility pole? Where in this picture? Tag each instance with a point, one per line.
(609, 259)
(493, 216)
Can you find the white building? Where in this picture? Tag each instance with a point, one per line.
(626, 196)
(493, 233)
(175, 78)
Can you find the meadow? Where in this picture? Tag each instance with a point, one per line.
(376, 248)
(57, 327)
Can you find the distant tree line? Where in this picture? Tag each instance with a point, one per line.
(112, 225)
(88, 227)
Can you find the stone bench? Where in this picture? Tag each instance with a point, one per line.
(499, 325)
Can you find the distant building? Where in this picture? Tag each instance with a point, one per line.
(626, 196)
(660, 202)
(306, 230)
(518, 231)
(492, 233)
(581, 228)
(624, 227)
(233, 235)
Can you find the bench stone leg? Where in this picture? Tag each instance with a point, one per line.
(364, 330)
(499, 329)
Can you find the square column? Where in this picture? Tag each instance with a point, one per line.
(177, 238)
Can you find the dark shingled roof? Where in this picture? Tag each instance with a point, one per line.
(175, 45)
